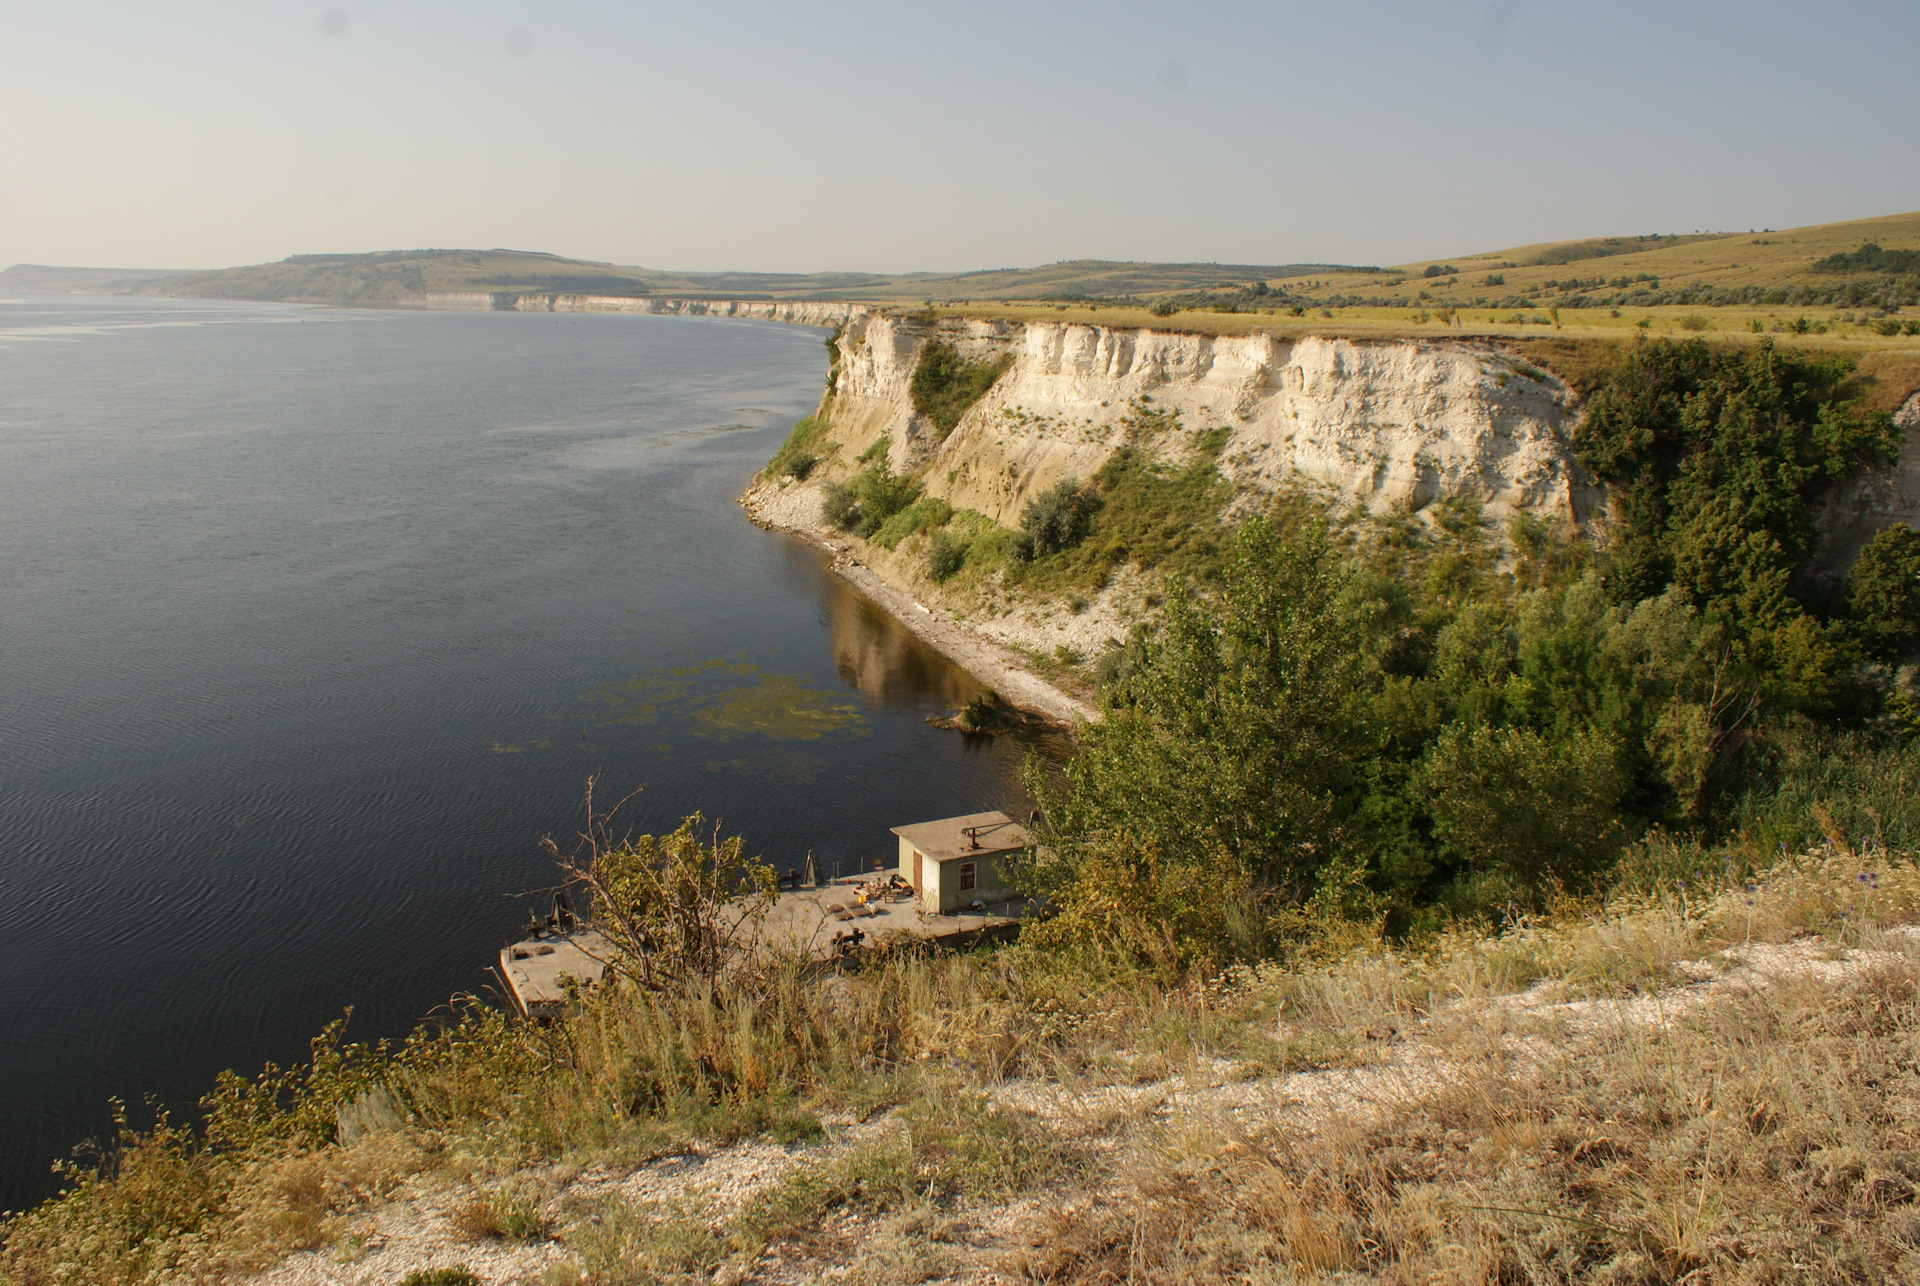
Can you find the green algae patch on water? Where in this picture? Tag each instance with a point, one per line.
(726, 697)
(783, 707)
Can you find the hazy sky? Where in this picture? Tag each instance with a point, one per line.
(816, 135)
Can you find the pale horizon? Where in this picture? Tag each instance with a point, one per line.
(872, 139)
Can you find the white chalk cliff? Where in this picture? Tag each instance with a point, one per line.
(1393, 424)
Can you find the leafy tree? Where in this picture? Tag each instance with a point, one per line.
(1520, 813)
(677, 907)
(1883, 593)
(1714, 455)
(1225, 767)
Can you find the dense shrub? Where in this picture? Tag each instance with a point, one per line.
(839, 506)
(864, 502)
(458, 1275)
(1883, 593)
(1871, 258)
(945, 556)
(1715, 455)
(945, 384)
(1059, 517)
(799, 465)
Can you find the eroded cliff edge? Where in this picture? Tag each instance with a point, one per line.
(1396, 426)
(1408, 429)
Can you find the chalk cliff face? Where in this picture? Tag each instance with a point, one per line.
(803, 314)
(1393, 424)
(1396, 425)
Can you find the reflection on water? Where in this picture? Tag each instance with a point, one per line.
(884, 660)
(889, 664)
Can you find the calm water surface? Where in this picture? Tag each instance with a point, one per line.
(314, 621)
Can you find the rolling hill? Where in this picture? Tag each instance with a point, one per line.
(402, 278)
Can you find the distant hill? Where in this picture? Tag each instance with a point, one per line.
(1824, 263)
(1813, 257)
(77, 281)
(398, 278)
(401, 278)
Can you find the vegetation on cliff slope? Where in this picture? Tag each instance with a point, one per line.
(945, 383)
(1370, 718)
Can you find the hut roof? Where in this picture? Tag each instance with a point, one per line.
(949, 838)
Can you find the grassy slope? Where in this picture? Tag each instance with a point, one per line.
(1565, 1102)
(1768, 258)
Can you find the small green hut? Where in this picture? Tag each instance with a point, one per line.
(957, 861)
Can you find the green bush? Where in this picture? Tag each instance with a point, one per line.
(1059, 518)
(458, 1275)
(923, 514)
(945, 384)
(799, 443)
(1220, 778)
(945, 556)
(1518, 813)
(839, 506)
(1714, 456)
(799, 465)
(864, 502)
(1883, 593)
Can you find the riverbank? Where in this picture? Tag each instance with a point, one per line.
(986, 659)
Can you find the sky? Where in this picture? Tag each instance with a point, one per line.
(936, 136)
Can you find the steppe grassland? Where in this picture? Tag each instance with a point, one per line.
(1767, 257)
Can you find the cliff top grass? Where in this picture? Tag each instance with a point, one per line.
(1889, 365)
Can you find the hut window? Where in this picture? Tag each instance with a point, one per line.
(968, 870)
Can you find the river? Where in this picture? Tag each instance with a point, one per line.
(314, 620)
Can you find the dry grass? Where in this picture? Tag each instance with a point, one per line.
(1887, 377)
(1616, 1092)
(1769, 1136)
